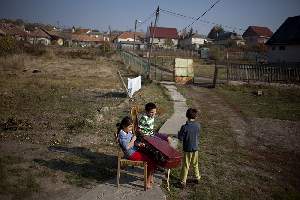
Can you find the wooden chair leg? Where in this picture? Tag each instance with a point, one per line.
(145, 176)
(118, 172)
(168, 179)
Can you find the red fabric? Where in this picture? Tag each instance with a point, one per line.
(140, 156)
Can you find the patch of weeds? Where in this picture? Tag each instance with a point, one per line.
(286, 194)
(75, 124)
(13, 124)
(76, 179)
(10, 159)
(17, 182)
(275, 103)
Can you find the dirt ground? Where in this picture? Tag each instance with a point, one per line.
(242, 157)
(57, 123)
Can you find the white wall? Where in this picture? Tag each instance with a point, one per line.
(161, 42)
(198, 41)
(127, 39)
(192, 43)
(290, 54)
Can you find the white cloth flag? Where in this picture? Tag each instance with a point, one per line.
(134, 84)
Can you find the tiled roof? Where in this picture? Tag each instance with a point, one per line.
(162, 32)
(287, 33)
(82, 30)
(86, 38)
(57, 34)
(10, 29)
(39, 33)
(258, 31)
(126, 35)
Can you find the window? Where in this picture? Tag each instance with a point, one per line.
(281, 48)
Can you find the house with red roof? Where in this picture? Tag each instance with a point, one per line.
(163, 37)
(284, 45)
(129, 39)
(257, 35)
(83, 40)
(38, 36)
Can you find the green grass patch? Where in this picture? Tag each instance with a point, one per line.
(228, 170)
(275, 103)
(207, 71)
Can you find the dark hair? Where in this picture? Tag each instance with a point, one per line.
(191, 113)
(125, 122)
(149, 106)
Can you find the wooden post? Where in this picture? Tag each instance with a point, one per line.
(145, 175)
(215, 75)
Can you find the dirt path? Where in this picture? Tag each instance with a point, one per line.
(244, 157)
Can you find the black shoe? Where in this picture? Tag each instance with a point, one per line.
(160, 169)
(182, 185)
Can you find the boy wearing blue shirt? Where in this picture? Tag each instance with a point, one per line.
(189, 135)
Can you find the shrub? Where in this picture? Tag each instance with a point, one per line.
(8, 45)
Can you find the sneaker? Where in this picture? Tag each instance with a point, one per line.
(160, 169)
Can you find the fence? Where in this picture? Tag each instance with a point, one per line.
(140, 65)
(289, 73)
(135, 63)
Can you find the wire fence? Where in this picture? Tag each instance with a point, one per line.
(154, 71)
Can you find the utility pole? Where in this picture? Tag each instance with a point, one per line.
(109, 29)
(135, 22)
(151, 42)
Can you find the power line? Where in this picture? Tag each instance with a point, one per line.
(148, 18)
(202, 15)
(172, 13)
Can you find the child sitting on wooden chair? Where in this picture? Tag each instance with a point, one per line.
(132, 150)
(146, 123)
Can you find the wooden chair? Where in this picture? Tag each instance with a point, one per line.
(122, 161)
(125, 162)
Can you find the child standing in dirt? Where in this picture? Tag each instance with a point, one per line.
(146, 123)
(189, 135)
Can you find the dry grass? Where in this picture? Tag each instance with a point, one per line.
(61, 114)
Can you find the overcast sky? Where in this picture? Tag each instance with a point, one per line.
(120, 14)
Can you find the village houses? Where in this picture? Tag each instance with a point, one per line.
(192, 41)
(255, 35)
(284, 45)
(38, 36)
(162, 37)
(130, 39)
(229, 38)
(12, 30)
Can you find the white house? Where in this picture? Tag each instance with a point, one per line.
(129, 39)
(192, 41)
(162, 37)
(38, 37)
(284, 45)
